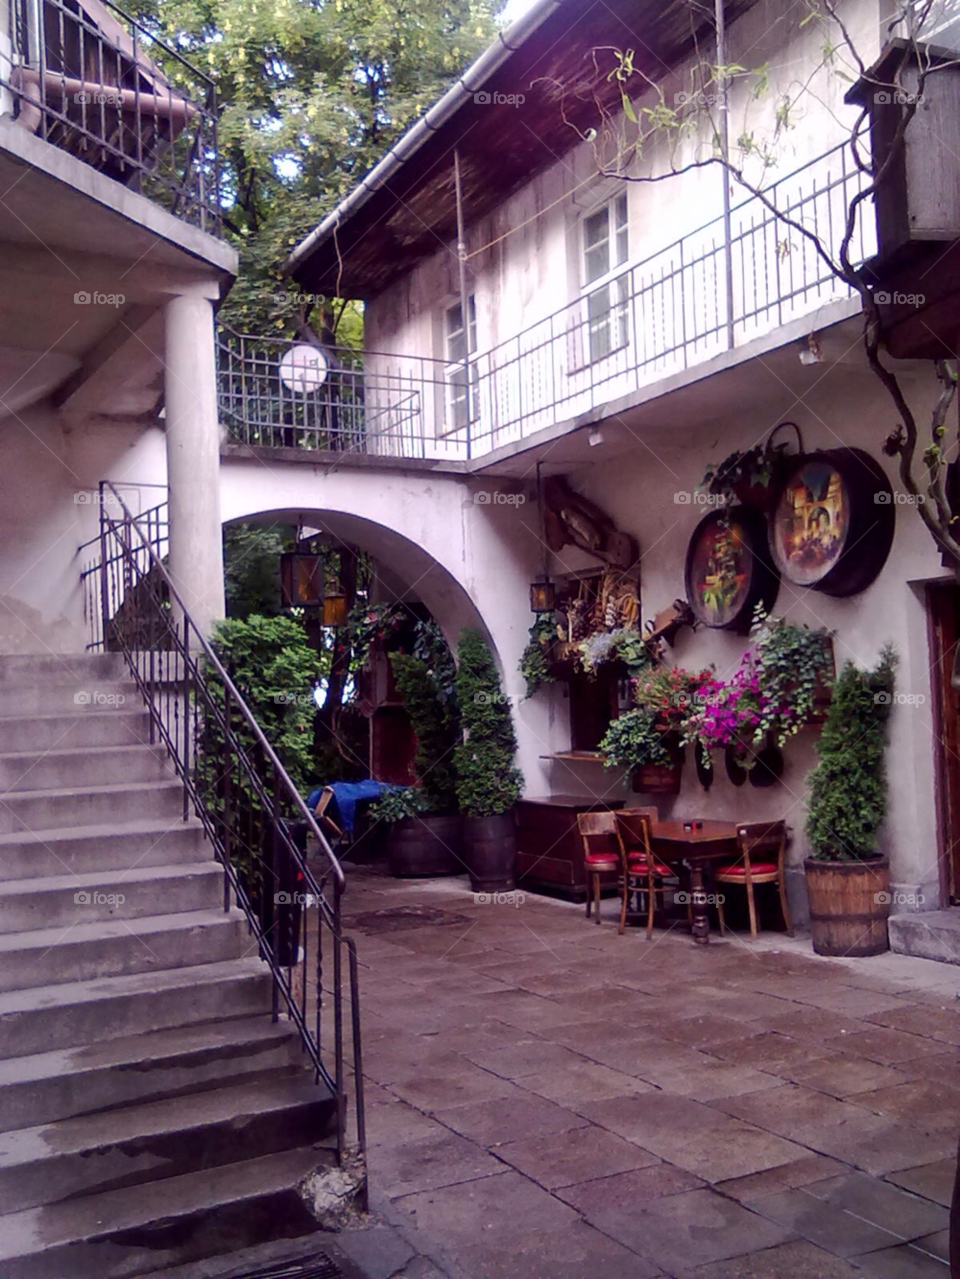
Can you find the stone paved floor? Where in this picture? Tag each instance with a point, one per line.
(547, 1100)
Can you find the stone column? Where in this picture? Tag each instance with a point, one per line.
(193, 457)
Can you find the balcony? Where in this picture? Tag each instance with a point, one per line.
(699, 297)
(89, 79)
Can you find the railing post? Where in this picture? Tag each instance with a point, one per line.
(227, 764)
(104, 582)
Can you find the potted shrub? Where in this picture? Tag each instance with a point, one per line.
(488, 784)
(647, 751)
(398, 811)
(535, 666)
(848, 880)
(430, 841)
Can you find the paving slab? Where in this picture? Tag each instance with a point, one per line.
(904, 1262)
(609, 1198)
(798, 1260)
(578, 1252)
(681, 1231)
(932, 1181)
(826, 1224)
(903, 1214)
(426, 1163)
(801, 1172)
(577, 1154)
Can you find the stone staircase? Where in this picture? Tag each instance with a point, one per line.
(151, 1112)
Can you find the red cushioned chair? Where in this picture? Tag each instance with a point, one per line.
(644, 873)
(762, 852)
(602, 852)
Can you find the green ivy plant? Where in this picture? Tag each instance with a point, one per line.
(793, 663)
(534, 666)
(398, 803)
(436, 723)
(848, 787)
(634, 739)
(488, 783)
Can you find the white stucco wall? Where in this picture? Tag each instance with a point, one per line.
(49, 473)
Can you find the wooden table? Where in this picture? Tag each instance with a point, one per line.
(713, 842)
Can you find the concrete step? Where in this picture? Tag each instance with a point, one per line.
(142, 1068)
(89, 849)
(69, 1014)
(70, 697)
(126, 1233)
(89, 805)
(60, 668)
(115, 947)
(69, 901)
(82, 766)
(129, 726)
(927, 934)
(117, 1148)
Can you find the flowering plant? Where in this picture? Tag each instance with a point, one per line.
(731, 712)
(669, 692)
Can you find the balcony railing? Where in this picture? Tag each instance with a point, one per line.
(93, 81)
(691, 301)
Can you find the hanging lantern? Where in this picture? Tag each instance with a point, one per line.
(543, 595)
(335, 608)
(301, 579)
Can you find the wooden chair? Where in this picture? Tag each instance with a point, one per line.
(642, 871)
(602, 852)
(762, 853)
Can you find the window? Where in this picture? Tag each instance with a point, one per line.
(456, 348)
(605, 249)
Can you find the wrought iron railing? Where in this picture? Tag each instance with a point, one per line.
(700, 296)
(232, 780)
(90, 79)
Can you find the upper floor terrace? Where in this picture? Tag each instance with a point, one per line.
(96, 83)
(710, 298)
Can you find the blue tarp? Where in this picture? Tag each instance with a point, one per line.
(346, 796)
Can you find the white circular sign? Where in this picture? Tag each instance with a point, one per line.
(303, 369)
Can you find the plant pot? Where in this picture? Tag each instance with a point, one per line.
(849, 906)
(421, 846)
(490, 851)
(657, 779)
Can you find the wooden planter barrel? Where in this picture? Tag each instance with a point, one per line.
(849, 906)
(421, 846)
(490, 851)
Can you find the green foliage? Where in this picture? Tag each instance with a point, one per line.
(624, 645)
(487, 781)
(534, 666)
(793, 663)
(634, 739)
(430, 647)
(437, 726)
(398, 803)
(251, 569)
(311, 95)
(848, 787)
(275, 669)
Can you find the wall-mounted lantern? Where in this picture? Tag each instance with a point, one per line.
(543, 594)
(335, 608)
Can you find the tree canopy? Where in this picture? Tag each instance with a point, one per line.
(311, 94)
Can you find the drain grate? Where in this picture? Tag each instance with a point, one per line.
(395, 918)
(318, 1266)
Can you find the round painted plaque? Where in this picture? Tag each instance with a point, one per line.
(728, 570)
(832, 523)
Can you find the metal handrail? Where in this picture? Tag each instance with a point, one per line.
(652, 317)
(89, 84)
(243, 795)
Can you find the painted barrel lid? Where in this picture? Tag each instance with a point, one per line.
(832, 522)
(728, 569)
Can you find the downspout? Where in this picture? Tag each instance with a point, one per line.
(464, 295)
(723, 84)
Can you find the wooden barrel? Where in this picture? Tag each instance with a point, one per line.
(849, 906)
(490, 850)
(422, 846)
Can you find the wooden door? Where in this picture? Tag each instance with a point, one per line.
(944, 612)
